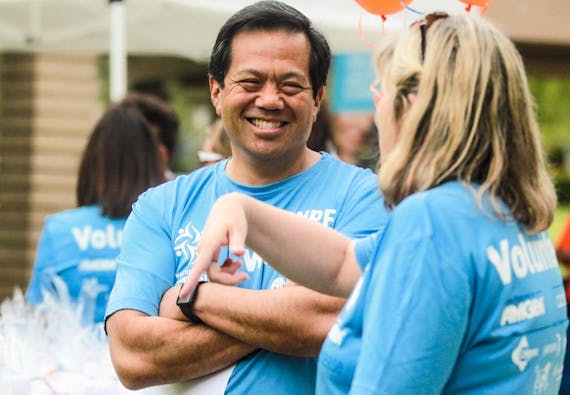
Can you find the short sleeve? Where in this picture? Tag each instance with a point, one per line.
(364, 248)
(146, 263)
(363, 211)
(416, 313)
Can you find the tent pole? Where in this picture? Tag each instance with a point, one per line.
(35, 27)
(117, 51)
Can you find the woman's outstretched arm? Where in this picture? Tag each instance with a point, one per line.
(308, 253)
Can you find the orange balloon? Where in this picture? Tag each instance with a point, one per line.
(383, 7)
(479, 3)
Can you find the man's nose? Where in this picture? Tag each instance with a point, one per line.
(270, 98)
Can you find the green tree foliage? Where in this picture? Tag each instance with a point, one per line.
(552, 96)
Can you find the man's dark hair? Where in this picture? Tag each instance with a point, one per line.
(160, 115)
(121, 160)
(270, 15)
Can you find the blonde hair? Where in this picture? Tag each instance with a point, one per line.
(384, 51)
(472, 120)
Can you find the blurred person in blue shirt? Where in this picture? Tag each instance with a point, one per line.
(120, 161)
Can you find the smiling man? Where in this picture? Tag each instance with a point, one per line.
(267, 74)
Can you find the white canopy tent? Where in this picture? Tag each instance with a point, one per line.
(185, 28)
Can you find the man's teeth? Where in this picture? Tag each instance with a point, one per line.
(266, 124)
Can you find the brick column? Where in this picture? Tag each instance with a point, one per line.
(48, 106)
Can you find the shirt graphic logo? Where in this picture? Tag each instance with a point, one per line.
(279, 282)
(561, 300)
(542, 379)
(336, 334)
(555, 347)
(522, 354)
(525, 310)
(88, 237)
(186, 242)
(523, 259)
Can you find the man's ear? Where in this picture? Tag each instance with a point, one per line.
(215, 92)
(318, 101)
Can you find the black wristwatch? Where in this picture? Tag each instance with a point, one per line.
(186, 304)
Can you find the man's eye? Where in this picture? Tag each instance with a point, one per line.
(249, 85)
(292, 88)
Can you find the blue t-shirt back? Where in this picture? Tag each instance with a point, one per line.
(453, 301)
(79, 246)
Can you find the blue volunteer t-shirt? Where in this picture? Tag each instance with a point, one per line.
(79, 246)
(164, 229)
(453, 301)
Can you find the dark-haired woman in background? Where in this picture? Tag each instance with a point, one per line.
(79, 246)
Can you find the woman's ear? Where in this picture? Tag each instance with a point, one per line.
(411, 97)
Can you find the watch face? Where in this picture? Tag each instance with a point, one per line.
(180, 300)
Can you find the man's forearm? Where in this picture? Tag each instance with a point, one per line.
(149, 351)
(291, 320)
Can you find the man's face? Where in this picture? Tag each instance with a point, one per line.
(267, 102)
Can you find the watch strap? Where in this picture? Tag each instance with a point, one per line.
(186, 305)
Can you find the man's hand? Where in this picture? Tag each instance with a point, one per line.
(227, 273)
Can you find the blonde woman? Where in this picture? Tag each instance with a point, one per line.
(462, 293)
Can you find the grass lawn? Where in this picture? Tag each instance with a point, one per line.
(560, 216)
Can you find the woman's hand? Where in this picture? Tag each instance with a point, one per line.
(226, 226)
